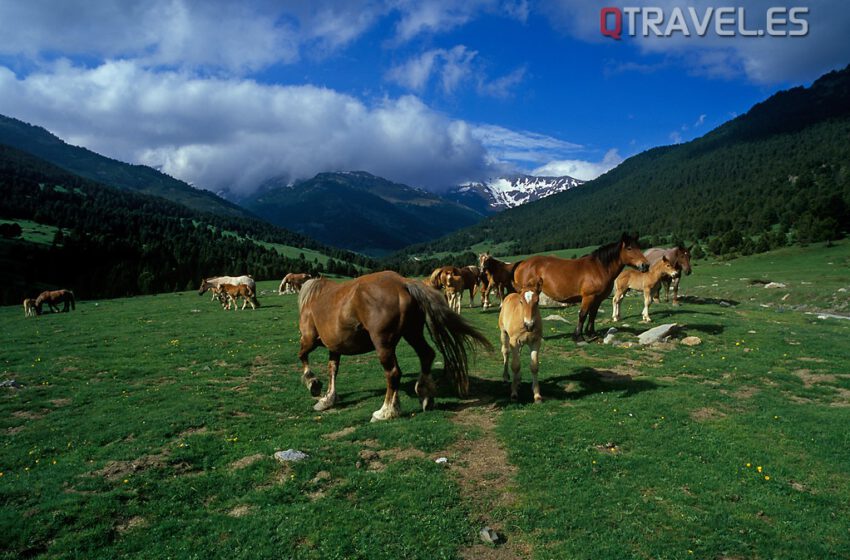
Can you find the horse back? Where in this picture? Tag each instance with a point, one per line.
(564, 280)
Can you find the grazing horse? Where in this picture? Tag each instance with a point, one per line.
(54, 297)
(29, 307)
(292, 283)
(234, 292)
(373, 312)
(644, 281)
(588, 279)
(680, 258)
(500, 276)
(210, 283)
(520, 324)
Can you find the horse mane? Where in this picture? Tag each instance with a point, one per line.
(308, 290)
(607, 254)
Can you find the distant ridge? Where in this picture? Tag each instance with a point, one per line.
(41, 143)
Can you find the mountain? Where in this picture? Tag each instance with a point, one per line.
(85, 163)
(110, 242)
(779, 173)
(358, 211)
(508, 192)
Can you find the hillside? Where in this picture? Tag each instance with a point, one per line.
(111, 242)
(359, 211)
(85, 163)
(783, 167)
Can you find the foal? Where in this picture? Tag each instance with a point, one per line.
(520, 323)
(233, 293)
(645, 281)
(454, 285)
(29, 307)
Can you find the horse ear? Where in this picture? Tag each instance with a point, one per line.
(664, 258)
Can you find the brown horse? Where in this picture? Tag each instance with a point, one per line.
(643, 281)
(54, 297)
(588, 279)
(233, 292)
(470, 275)
(520, 324)
(374, 312)
(680, 258)
(500, 276)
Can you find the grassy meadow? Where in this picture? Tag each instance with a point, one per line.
(145, 427)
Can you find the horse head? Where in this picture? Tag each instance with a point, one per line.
(482, 259)
(530, 298)
(685, 259)
(668, 268)
(205, 285)
(630, 253)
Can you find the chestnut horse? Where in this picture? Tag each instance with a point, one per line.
(588, 279)
(680, 258)
(374, 312)
(520, 324)
(232, 293)
(292, 283)
(54, 297)
(500, 276)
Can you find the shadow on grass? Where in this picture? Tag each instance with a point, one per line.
(581, 383)
(695, 300)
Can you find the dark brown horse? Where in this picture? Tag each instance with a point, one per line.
(588, 279)
(374, 312)
(680, 258)
(499, 275)
(54, 297)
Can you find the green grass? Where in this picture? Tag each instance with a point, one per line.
(145, 427)
(35, 232)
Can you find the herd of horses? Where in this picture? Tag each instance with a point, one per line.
(376, 311)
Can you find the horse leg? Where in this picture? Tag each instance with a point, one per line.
(582, 315)
(666, 283)
(591, 316)
(391, 408)
(535, 367)
(506, 350)
(615, 303)
(425, 388)
(309, 342)
(675, 284)
(647, 299)
(330, 397)
(515, 346)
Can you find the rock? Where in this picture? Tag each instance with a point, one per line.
(609, 336)
(290, 456)
(11, 384)
(772, 285)
(725, 304)
(581, 343)
(546, 301)
(489, 536)
(656, 334)
(692, 341)
(555, 318)
(441, 461)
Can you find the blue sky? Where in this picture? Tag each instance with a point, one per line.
(431, 93)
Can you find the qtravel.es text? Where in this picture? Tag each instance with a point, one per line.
(723, 21)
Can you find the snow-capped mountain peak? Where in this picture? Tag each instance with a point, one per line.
(501, 193)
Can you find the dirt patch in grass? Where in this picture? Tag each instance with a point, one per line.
(114, 470)
(246, 461)
(60, 402)
(810, 378)
(192, 431)
(128, 525)
(609, 448)
(745, 392)
(486, 479)
(706, 414)
(15, 430)
(240, 511)
(340, 434)
(31, 414)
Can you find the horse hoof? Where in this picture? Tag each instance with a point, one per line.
(315, 387)
(324, 404)
(538, 399)
(428, 403)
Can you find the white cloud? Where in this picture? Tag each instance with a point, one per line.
(234, 37)
(232, 133)
(581, 169)
(675, 137)
(700, 121)
(513, 147)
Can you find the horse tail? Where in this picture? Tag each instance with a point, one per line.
(72, 299)
(453, 335)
